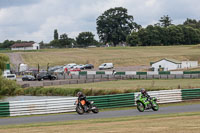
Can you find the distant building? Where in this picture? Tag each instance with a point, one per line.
(189, 64)
(171, 64)
(25, 46)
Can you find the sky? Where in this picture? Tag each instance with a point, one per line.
(36, 20)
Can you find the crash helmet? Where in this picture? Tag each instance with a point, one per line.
(143, 91)
(79, 93)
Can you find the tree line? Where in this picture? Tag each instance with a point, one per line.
(115, 26)
(165, 33)
(84, 39)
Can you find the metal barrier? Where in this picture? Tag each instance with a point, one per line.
(188, 94)
(60, 105)
(30, 107)
(111, 101)
(166, 96)
(4, 109)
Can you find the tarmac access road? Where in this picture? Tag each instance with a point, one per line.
(105, 114)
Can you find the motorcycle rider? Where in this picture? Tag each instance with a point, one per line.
(81, 97)
(145, 94)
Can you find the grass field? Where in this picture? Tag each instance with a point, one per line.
(120, 56)
(137, 84)
(174, 123)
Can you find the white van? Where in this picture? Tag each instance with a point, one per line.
(106, 66)
(8, 75)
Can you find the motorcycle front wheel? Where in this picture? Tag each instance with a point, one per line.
(140, 106)
(79, 110)
(155, 106)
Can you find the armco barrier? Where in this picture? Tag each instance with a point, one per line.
(30, 107)
(188, 94)
(60, 105)
(165, 96)
(110, 101)
(4, 109)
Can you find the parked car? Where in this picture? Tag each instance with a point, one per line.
(89, 66)
(28, 78)
(45, 75)
(79, 66)
(60, 70)
(55, 68)
(71, 65)
(106, 66)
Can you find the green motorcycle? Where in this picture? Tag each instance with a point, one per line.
(144, 104)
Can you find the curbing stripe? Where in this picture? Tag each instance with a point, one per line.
(91, 72)
(176, 72)
(108, 72)
(152, 73)
(141, 73)
(130, 73)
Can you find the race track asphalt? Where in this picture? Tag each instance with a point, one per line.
(105, 114)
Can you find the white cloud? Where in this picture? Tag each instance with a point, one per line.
(36, 19)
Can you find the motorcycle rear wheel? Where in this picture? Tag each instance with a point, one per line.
(140, 106)
(96, 110)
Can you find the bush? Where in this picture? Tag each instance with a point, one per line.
(13, 89)
(36, 91)
(8, 87)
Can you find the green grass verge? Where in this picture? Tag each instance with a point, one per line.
(135, 85)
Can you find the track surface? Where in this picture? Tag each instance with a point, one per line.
(106, 114)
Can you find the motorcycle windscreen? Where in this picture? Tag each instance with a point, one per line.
(82, 102)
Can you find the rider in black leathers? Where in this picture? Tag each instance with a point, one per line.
(145, 94)
(81, 97)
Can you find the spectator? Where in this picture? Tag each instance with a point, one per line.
(113, 72)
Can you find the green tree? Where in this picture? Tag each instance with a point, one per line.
(42, 45)
(55, 34)
(64, 41)
(114, 25)
(191, 35)
(193, 23)
(133, 39)
(3, 60)
(163, 34)
(55, 43)
(8, 87)
(85, 39)
(149, 36)
(175, 35)
(165, 21)
(143, 37)
(7, 44)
